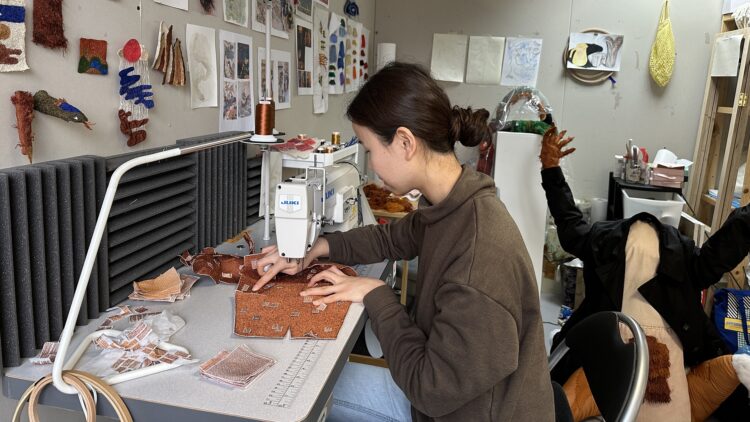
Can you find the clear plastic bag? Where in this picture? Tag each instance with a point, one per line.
(523, 104)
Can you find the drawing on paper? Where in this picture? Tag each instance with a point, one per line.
(230, 100)
(230, 59)
(202, 65)
(235, 11)
(243, 61)
(521, 61)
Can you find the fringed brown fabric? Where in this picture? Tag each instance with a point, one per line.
(177, 76)
(24, 103)
(48, 24)
(208, 6)
(657, 390)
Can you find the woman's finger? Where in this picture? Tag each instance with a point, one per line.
(330, 299)
(269, 249)
(336, 270)
(326, 275)
(268, 276)
(320, 291)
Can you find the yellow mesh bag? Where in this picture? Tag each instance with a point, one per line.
(661, 61)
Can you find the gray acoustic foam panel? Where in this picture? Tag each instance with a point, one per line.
(47, 216)
(152, 220)
(253, 189)
(220, 186)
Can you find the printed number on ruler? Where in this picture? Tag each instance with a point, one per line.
(294, 376)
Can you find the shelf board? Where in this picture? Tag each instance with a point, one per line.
(724, 110)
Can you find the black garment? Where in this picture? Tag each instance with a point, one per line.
(684, 270)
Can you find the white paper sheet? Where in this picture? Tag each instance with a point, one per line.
(521, 61)
(281, 66)
(177, 4)
(237, 99)
(304, 9)
(320, 66)
(386, 54)
(201, 51)
(322, 3)
(726, 56)
(449, 57)
(485, 60)
(304, 49)
(280, 27)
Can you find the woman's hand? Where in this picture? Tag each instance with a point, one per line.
(552, 147)
(344, 288)
(273, 263)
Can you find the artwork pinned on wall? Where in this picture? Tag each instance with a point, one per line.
(177, 4)
(448, 57)
(48, 24)
(351, 64)
(336, 52)
(24, 103)
(235, 11)
(208, 6)
(93, 58)
(323, 3)
(281, 66)
(304, 50)
(282, 17)
(60, 108)
(304, 9)
(236, 108)
(521, 61)
(169, 59)
(485, 60)
(594, 51)
(201, 51)
(320, 66)
(136, 97)
(364, 56)
(12, 36)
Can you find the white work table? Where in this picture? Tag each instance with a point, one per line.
(285, 392)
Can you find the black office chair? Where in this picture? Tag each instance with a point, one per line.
(617, 372)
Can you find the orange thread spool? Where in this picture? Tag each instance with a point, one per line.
(265, 117)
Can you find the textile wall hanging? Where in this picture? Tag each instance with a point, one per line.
(24, 104)
(93, 57)
(48, 24)
(136, 97)
(12, 36)
(60, 108)
(169, 59)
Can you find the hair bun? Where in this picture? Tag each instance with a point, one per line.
(469, 126)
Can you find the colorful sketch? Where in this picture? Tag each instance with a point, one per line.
(521, 61)
(337, 34)
(282, 16)
(594, 51)
(235, 109)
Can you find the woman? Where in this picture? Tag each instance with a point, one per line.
(473, 350)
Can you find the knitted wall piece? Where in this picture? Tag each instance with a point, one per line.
(93, 57)
(24, 103)
(48, 24)
(135, 95)
(12, 36)
(60, 108)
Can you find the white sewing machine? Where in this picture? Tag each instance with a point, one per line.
(324, 198)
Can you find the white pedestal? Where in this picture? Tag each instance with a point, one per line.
(519, 183)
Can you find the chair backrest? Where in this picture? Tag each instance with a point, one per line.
(617, 372)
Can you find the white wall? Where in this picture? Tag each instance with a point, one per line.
(97, 96)
(602, 117)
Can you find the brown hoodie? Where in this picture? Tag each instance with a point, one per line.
(473, 350)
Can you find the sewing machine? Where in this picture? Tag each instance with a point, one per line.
(324, 198)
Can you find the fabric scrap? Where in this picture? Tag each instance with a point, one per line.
(237, 368)
(24, 104)
(47, 355)
(48, 24)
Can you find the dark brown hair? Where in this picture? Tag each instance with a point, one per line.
(404, 94)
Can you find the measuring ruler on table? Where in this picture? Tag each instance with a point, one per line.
(294, 376)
